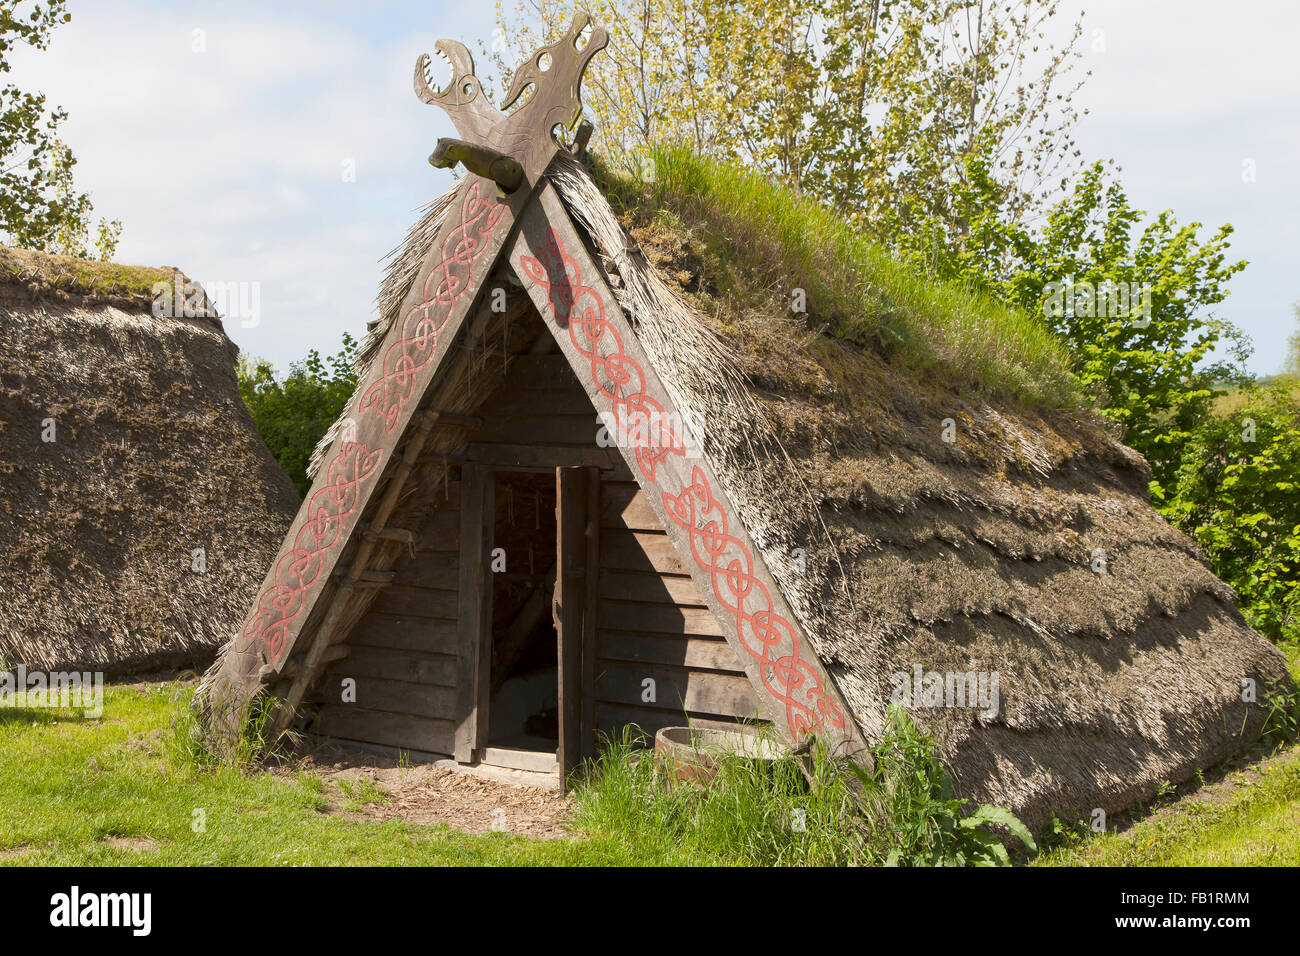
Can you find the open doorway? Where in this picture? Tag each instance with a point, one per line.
(523, 710)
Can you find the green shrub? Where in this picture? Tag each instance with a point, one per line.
(1237, 491)
(293, 413)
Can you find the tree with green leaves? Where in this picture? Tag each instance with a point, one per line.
(1133, 303)
(40, 207)
(294, 412)
(1291, 364)
(1237, 491)
(869, 106)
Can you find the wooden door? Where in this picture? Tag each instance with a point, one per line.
(474, 640)
(576, 591)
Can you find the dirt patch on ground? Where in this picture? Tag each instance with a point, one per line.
(136, 844)
(365, 786)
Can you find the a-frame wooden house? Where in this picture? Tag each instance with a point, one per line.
(563, 501)
(513, 540)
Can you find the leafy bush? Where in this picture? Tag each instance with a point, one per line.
(924, 824)
(1237, 491)
(294, 413)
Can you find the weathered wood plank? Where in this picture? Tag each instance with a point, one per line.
(676, 688)
(571, 583)
(626, 507)
(520, 401)
(539, 429)
(411, 666)
(651, 552)
(474, 655)
(390, 696)
(441, 532)
(404, 600)
(590, 610)
(407, 732)
(542, 373)
(433, 569)
(659, 618)
(693, 652)
(650, 588)
(529, 456)
(399, 633)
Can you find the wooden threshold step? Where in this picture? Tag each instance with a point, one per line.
(538, 761)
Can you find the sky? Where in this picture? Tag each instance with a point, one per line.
(280, 146)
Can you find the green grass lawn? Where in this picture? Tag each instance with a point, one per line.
(122, 790)
(1250, 819)
(70, 785)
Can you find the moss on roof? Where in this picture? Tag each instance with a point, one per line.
(46, 275)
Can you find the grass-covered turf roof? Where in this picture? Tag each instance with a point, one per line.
(765, 242)
(45, 274)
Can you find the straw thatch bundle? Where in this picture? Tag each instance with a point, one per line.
(153, 457)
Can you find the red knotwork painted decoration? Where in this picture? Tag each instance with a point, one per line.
(452, 277)
(765, 635)
(299, 567)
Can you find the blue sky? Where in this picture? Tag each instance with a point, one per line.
(228, 162)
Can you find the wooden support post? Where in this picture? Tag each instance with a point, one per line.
(571, 486)
(474, 653)
(590, 610)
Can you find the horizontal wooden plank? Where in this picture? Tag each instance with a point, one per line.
(412, 666)
(432, 569)
(432, 636)
(691, 652)
(659, 618)
(440, 532)
(417, 602)
(523, 401)
(390, 696)
(540, 373)
(611, 719)
(349, 722)
(650, 588)
(535, 761)
(539, 429)
(640, 551)
(676, 688)
(543, 456)
(625, 506)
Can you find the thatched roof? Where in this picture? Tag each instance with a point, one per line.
(154, 455)
(971, 556)
(978, 555)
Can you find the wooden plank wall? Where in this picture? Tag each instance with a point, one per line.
(652, 623)
(540, 419)
(403, 651)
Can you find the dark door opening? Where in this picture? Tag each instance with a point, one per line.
(523, 709)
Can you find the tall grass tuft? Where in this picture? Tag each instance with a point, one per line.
(188, 745)
(755, 813)
(807, 810)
